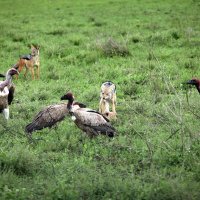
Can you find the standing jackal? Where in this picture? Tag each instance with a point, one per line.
(30, 61)
(107, 96)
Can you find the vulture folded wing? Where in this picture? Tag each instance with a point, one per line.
(48, 117)
(99, 114)
(105, 129)
(90, 117)
(93, 122)
(11, 94)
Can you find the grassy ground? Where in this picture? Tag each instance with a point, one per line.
(149, 49)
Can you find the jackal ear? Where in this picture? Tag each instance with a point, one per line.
(33, 46)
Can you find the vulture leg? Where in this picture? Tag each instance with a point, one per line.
(55, 128)
(6, 113)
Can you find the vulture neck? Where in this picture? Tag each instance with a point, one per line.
(8, 78)
(69, 105)
(198, 88)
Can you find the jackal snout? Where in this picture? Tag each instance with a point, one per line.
(106, 95)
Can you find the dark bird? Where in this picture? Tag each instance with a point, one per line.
(49, 117)
(90, 121)
(7, 90)
(196, 83)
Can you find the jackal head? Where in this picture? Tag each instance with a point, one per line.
(35, 50)
(107, 91)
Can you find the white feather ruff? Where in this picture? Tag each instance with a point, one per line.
(4, 92)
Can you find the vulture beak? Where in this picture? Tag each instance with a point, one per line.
(13, 71)
(63, 97)
(190, 82)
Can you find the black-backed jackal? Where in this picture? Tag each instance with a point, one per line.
(107, 96)
(30, 61)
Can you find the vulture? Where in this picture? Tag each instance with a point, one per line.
(49, 117)
(196, 83)
(89, 121)
(7, 90)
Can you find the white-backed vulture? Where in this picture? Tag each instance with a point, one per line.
(196, 83)
(49, 117)
(7, 89)
(90, 121)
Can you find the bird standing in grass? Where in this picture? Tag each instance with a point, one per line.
(49, 117)
(196, 83)
(7, 90)
(90, 121)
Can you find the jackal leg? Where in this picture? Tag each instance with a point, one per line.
(114, 103)
(26, 71)
(32, 73)
(38, 71)
(101, 106)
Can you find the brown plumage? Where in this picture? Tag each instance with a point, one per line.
(49, 117)
(88, 120)
(196, 83)
(7, 89)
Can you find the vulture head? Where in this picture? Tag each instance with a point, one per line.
(69, 96)
(195, 82)
(12, 72)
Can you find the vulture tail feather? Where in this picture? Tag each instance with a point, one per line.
(30, 128)
(106, 130)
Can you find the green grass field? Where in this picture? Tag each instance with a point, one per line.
(149, 49)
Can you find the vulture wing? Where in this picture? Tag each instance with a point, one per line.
(93, 122)
(90, 117)
(11, 94)
(48, 117)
